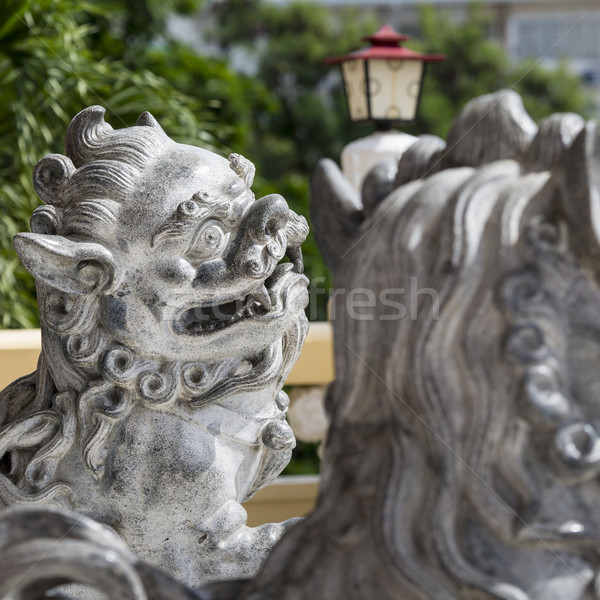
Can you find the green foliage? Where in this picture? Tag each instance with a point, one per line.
(231, 97)
(47, 75)
(305, 460)
(126, 29)
(308, 117)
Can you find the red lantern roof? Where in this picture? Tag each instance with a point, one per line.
(385, 35)
(385, 44)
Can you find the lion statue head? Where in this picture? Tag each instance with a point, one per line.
(463, 459)
(168, 329)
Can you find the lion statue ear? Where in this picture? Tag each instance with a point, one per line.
(336, 211)
(581, 192)
(72, 267)
(147, 120)
(50, 176)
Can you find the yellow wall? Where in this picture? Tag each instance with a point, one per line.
(288, 496)
(19, 352)
(315, 365)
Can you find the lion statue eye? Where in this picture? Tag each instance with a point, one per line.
(212, 236)
(208, 242)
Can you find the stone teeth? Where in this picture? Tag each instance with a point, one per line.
(261, 295)
(294, 253)
(273, 297)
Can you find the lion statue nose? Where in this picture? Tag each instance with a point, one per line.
(267, 217)
(265, 239)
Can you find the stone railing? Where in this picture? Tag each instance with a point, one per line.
(288, 496)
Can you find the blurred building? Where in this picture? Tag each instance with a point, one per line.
(545, 31)
(542, 30)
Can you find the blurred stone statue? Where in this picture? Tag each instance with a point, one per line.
(168, 329)
(463, 457)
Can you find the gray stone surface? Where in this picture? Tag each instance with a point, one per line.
(42, 547)
(168, 329)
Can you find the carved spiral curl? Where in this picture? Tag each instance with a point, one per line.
(195, 378)
(50, 177)
(85, 349)
(93, 275)
(521, 289)
(45, 220)
(118, 364)
(527, 343)
(158, 387)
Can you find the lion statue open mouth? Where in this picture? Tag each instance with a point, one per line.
(169, 325)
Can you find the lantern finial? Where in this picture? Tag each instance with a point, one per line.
(385, 36)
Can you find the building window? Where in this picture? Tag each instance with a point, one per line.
(555, 36)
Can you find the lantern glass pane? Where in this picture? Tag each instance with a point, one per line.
(394, 87)
(354, 80)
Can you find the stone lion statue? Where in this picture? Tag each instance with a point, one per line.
(168, 329)
(463, 458)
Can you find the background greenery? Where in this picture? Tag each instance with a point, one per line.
(58, 56)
